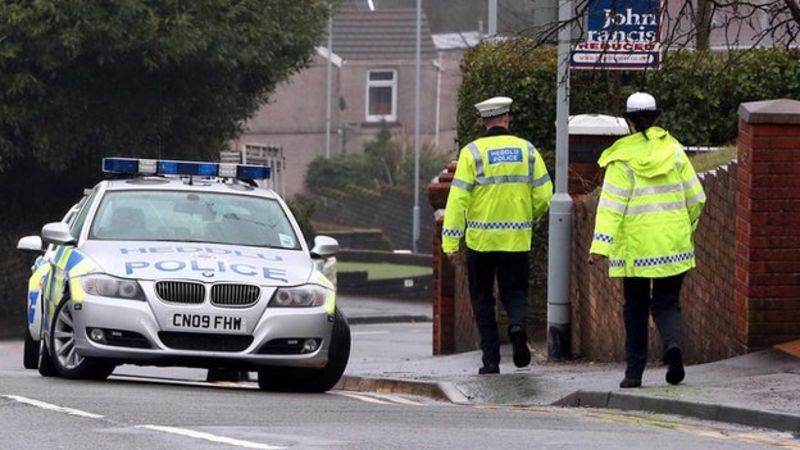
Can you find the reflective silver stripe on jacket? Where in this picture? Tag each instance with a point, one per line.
(628, 171)
(656, 207)
(476, 155)
(499, 225)
(663, 189)
(499, 179)
(619, 263)
(612, 204)
(531, 161)
(696, 198)
(661, 260)
(541, 180)
(616, 190)
(462, 184)
(694, 182)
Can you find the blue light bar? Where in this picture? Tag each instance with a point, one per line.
(187, 168)
(252, 172)
(134, 166)
(120, 165)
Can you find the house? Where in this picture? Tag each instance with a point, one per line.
(373, 72)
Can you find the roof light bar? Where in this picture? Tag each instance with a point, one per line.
(133, 166)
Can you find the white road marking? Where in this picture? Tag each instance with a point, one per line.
(52, 407)
(381, 399)
(173, 381)
(210, 437)
(363, 398)
(179, 431)
(398, 399)
(368, 333)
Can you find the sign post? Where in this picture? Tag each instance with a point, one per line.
(620, 35)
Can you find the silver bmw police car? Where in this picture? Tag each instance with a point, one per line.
(176, 263)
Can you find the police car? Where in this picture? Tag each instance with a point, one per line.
(179, 263)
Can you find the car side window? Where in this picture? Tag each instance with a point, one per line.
(80, 218)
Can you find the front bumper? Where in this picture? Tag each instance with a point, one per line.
(244, 349)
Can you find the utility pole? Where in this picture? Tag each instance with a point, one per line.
(330, 87)
(415, 226)
(492, 32)
(559, 248)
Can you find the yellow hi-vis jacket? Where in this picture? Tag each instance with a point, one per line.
(500, 188)
(649, 207)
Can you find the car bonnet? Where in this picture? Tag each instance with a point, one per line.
(200, 262)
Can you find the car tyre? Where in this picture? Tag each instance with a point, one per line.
(63, 354)
(291, 379)
(30, 358)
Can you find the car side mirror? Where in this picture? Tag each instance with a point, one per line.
(57, 233)
(30, 244)
(324, 247)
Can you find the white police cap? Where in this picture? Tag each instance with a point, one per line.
(640, 101)
(494, 106)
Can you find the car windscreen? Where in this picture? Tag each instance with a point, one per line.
(193, 217)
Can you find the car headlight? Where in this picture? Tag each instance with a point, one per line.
(303, 296)
(108, 286)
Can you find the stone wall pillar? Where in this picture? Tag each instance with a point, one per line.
(767, 255)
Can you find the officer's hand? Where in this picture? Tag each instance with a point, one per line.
(594, 257)
(455, 258)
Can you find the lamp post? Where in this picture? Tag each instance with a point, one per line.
(558, 268)
(415, 212)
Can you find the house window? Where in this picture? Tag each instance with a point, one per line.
(381, 95)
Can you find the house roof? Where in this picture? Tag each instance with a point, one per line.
(389, 34)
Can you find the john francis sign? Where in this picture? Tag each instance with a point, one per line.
(620, 35)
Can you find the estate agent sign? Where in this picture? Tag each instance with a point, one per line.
(620, 35)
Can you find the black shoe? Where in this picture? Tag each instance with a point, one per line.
(674, 361)
(489, 369)
(630, 383)
(519, 342)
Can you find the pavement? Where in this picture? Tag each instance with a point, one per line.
(760, 389)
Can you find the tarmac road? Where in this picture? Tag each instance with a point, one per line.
(173, 408)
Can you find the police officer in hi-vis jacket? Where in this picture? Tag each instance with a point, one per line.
(649, 208)
(500, 188)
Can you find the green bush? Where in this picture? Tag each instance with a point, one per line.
(302, 209)
(384, 164)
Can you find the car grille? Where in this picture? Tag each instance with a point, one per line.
(234, 294)
(205, 342)
(181, 291)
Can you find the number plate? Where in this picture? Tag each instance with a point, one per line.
(211, 322)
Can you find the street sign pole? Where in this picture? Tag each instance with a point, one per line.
(415, 230)
(559, 248)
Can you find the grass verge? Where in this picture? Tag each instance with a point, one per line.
(380, 271)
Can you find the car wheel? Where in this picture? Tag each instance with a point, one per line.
(30, 357)
(290, 379)
(65, 357)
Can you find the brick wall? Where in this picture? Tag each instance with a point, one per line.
(706, 299)
(767, 263)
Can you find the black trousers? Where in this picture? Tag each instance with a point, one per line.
(662, 295)
(511, 269)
